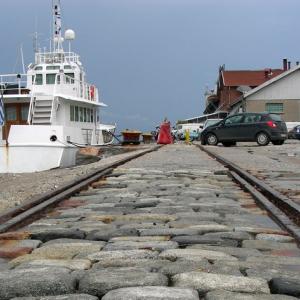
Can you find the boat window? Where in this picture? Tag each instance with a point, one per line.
(70, 77)
(67, 67)
(38, 79)
(76, 114)
(38, 68)
(80, 114)
(92, 115)
(50, 78)
(88, 116)
(11, 113)
(72, 113)
(84, 114)
(52, 67)
(24, 112)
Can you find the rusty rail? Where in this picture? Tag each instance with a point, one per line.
(282, 209)
(18, 215)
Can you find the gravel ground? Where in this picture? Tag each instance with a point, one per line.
(18, 188)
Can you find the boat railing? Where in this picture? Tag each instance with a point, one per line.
(68, 85)
(56, 57)
(12, 84)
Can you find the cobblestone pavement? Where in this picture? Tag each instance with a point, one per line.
(168, 225)
(278, 166)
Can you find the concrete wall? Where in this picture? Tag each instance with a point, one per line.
(291, 108)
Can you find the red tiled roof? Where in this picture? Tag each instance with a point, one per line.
(249, 78)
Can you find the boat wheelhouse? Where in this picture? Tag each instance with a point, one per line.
(50, 110)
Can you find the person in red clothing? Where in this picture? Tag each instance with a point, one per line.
(164, 136)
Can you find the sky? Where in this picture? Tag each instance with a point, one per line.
(153, 59)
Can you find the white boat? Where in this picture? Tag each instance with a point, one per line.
(50, 110)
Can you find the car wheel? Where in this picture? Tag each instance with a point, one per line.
(211, 139)
(262, 139)
(277, 142)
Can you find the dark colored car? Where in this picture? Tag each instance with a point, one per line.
(246, 127)
(294, 133)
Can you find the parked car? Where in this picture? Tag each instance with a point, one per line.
(294, 133)
(246, 127)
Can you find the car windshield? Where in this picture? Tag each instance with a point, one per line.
(211, 122)
(275, 117)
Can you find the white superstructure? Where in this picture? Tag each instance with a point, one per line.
(50, 110)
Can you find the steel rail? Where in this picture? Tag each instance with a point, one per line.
(273, 201)
(18, 215)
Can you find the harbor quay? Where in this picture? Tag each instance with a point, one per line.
(171, 224)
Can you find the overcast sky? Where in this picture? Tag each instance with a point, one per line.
(154, 58)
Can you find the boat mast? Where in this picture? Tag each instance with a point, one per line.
(57, 36)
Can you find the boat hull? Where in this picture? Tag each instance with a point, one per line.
(27, 159)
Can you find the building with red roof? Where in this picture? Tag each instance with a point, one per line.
(232, 84)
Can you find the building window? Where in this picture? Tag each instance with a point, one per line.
(50, 78)
(38, 79)
(274, 108)
(11, 113)
(24, 112)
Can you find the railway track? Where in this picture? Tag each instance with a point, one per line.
(282, 209)
(155, 224)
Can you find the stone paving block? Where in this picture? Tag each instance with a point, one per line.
(100, 282)
(36, 282)
(135, 218)
(272, 259)
(167, 231)
(195, 254)
(275, 238)
(59, 250)
(268, 273)
(61, 297)
(151, 293)
(153, 265)
(47, 234)
(182, 266)
(205, 282)
(72, 264)
(202, 229)
(285, 286)
(237, 252)
(187, 223)
(268, 245)
(131, 245)
(122, 254)
(13, 248)
(230, 235)
(221, 295)
(105, 234)
(258, 230)
(185, 240)
(140, 238)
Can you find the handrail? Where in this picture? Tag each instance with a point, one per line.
(83, 89)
